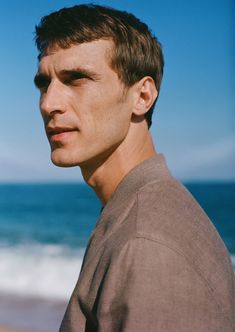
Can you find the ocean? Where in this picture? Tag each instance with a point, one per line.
(44, 229)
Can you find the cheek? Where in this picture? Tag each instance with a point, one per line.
(112, 126)
(103, 114)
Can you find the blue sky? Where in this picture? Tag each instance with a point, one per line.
(194, 118)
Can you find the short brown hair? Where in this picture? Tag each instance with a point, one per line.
(137, 52)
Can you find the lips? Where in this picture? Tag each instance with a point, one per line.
(59, 133)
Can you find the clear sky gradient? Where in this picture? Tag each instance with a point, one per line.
(194, 121)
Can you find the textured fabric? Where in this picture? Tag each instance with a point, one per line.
(154, 262)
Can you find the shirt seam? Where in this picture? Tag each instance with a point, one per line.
(178, 252)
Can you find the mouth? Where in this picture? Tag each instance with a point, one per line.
(59, 133)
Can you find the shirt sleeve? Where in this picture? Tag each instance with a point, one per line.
(150, 287)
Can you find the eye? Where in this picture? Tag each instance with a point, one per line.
(77, 76)
(41, 82)
(74, 77)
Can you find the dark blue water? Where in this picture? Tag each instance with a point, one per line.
(66, 213)
(218, 200)
(47, 213)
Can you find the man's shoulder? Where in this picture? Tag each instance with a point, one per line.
(167, 212)
(163, 206)
(168, 215)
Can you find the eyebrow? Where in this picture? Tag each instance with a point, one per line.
(79, 71)
(65, 74)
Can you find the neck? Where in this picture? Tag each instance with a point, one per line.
(105, 176)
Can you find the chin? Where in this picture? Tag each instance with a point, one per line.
(62, 163)
(62, 160)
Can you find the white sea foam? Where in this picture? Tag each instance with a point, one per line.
(47, 271)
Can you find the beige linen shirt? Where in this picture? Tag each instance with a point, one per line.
(153, 263)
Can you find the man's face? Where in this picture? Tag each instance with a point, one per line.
(83, 104)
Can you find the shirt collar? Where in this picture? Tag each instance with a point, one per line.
(151, 169)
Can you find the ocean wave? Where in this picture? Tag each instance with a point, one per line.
(48, 271)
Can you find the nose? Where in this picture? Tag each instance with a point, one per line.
(52, 100)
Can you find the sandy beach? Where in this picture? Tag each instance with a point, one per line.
(9, 329)
(24, 314)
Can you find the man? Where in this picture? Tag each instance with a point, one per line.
(154, 261)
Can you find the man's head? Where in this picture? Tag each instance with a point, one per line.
(99, 76)
(136, 52)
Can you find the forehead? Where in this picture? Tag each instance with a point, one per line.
(91, 55)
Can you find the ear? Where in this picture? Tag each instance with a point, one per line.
(146, 95)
